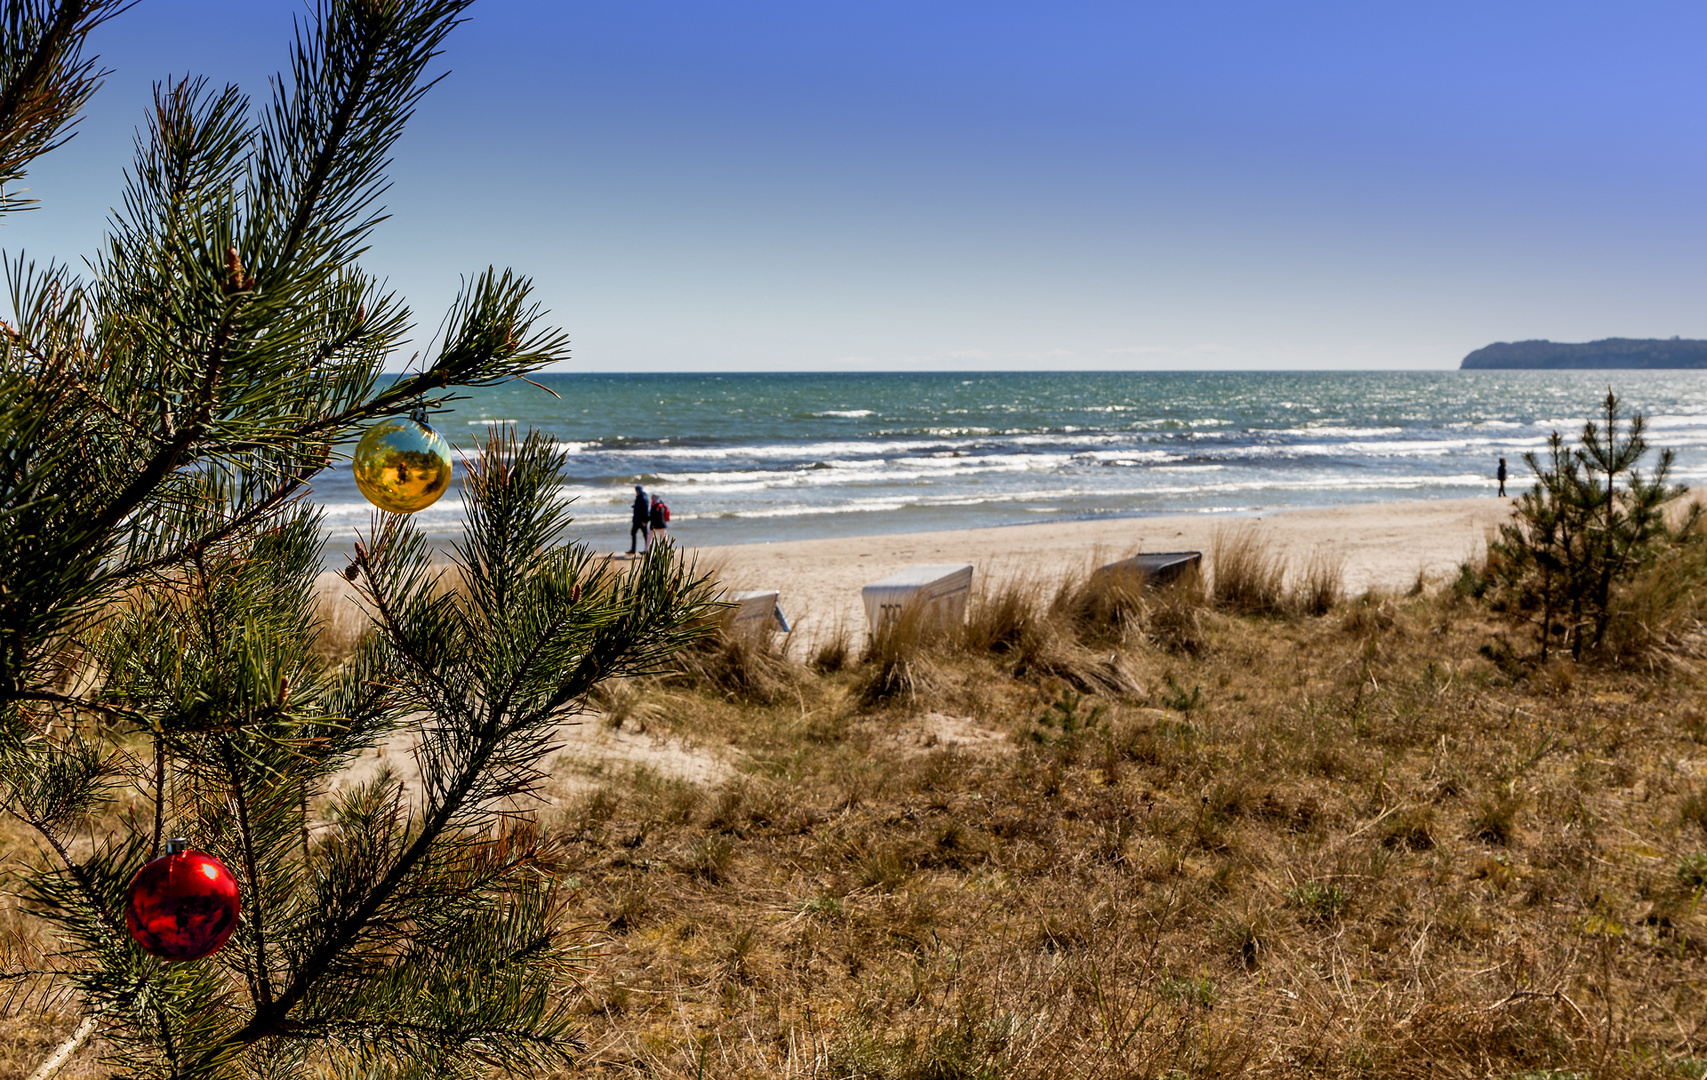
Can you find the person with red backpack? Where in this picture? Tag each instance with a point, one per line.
(659, 519)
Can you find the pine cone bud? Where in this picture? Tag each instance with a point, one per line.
(361, 314)
(233, 271)
(284, 689)
(351, 572)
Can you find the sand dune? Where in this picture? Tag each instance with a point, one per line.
(1384, 544)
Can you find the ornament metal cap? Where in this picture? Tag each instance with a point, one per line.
(177, 845)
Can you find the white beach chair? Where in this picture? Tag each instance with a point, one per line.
(1158, 568)
(756, 611)
(940, 591)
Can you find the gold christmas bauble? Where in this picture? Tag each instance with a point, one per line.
(402, 465)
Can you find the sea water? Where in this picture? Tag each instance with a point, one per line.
(746, 457)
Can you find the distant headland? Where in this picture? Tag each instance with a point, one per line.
(1614, 352)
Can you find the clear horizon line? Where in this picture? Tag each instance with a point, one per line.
(1037, 371)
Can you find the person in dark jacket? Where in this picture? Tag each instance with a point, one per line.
(642, 517)
(1501, 476)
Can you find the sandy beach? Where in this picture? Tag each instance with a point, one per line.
(1382, 545)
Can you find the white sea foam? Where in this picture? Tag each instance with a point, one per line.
(1128, 457)
(1655, 423)
(808, 451)
(728, 449)
(1331, 431)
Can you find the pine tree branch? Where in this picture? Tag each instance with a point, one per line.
(52, 698)
(332, 346)
(370, 1028)
(268, 1022)
(404, 392)
(330, 149)
(147, 479)
(400, 640)
(178, 443)
(233, 527)
(166, 459)
(79, 873)
(16, 337)
(340, 937)
(528, 659)
(167, 1041)
(159, 793)
(19, 974)
(44, 96)
(257, 925)
(33, 79)
(105, 406)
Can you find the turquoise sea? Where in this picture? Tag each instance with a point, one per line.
(745, 457)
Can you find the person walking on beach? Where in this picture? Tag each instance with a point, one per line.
(659, 517)
(641, 518)
(1501, 475)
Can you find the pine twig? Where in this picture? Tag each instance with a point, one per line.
(196, 547)
(60, 1056)
(159, 792)
(54, 698)
(263, 977)
(1557, 995)
(343, 117)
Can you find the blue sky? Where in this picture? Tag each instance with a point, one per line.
(981, 185)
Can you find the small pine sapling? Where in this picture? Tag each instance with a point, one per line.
(1591, 521)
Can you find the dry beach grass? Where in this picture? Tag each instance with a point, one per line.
(1376, 545)
(1190, 841)
(1243, 825)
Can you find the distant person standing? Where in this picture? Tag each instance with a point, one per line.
(659, 517)
(641, 518)
(1501, 475)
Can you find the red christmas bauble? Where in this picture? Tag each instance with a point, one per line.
(182, 905)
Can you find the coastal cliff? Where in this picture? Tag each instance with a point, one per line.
(1605, 353)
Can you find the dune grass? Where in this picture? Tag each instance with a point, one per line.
(1287, 843)
(1247, 575)
(1105, 830)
